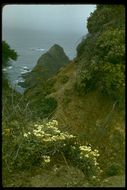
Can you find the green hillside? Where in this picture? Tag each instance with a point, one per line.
(69, 129)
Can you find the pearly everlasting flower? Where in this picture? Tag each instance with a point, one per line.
(71, 136)
(25, 134)
(57, 131)
(85, 148)
(46, 159)
(54, 138)
(47, 140)
(42, 132)
(87, 156)
(96, 164)
(55, 122)
(96, 150)
(61, 137)
(38, 135)
(39, 127)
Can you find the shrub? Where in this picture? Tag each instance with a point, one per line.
(106, 14)
(64, 79)
(113, 169)
(7, 53)
(44, 107)
(102, 54)
(38, 146)
(48, 106)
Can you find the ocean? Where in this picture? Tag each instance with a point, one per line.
(30, 45)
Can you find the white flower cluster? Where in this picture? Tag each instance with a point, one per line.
(87, 152)
(46, 159)
(85, 148)
(49, 132)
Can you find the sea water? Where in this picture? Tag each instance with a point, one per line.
(30, 45)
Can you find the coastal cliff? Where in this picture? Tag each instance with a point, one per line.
(84, 97)
(89, 91)
(47, 65)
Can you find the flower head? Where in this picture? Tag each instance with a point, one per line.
(25, 135)
(46, 159)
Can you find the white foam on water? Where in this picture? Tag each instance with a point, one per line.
(10, 67)
(37, 49)
(4, 69)
(25, 67)
(24, 71)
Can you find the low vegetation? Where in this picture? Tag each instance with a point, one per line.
(80, 124)
(37, 145)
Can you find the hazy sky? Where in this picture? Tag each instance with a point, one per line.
(61, 18)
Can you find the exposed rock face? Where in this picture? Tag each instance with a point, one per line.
(48, 64)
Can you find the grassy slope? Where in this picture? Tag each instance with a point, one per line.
(80, 115)
(85, 115)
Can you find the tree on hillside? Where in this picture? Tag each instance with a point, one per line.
(7, 54)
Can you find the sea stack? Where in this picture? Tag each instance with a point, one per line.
(47, 65)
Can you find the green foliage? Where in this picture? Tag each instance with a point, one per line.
(37, 146)
(105, 16)
(44, 107)
(64, 79)
(102, 54)
(110, 46)
(40, 104)
(86, 47)
(48, 106)
(86, 159)
(7, 53)
(113, 169)
(51, 82)
(47, 86)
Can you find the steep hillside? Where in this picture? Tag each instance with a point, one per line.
(95, 119)
(84, 98)
(90, 90)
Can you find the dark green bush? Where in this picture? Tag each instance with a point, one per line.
(102, 54)
(48, 106)
(45, 107)
(7, 53)
(113, 169)
(105, 14)
(64, 79)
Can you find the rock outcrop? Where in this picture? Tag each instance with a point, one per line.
(48, 64)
